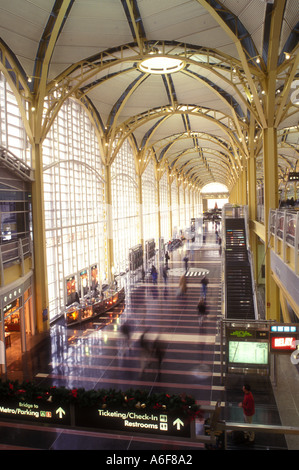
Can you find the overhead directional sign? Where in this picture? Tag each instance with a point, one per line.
(169, 424)
(39, 412)
(178, 423)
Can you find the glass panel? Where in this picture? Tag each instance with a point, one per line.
(290, 228)
(124, 206)
(74, 201)
(149, 203)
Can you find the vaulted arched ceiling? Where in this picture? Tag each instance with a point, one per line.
(194, 121)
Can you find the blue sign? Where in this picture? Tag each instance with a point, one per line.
(283, 328)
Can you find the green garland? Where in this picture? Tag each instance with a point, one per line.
(103, 398)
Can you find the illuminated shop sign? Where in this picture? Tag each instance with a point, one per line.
(283, 343)
(283, 329)
(250, 333)
(134, 421)
(283, 337)
(44, 412)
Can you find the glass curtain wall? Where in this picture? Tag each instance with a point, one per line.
(12, 132)
(188, 206)
(164, 209)
(125, 222)
(73, 202)
(175, 208)
(149, 203)
(15, 225)
(182, 207)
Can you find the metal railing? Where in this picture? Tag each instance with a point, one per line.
(284, 227)
(14, 252)
(256, 428)
(11, 161)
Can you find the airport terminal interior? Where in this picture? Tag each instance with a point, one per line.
(149, 216)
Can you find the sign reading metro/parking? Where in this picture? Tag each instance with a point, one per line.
(163, 423)
(39, 412)
(134, 421)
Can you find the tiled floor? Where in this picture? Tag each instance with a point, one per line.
(93, 356)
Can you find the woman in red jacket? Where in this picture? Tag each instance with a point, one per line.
(248, 409)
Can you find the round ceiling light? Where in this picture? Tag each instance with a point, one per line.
(160, 64)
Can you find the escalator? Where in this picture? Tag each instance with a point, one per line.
(239, 288)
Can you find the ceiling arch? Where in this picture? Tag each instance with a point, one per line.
(195, 120)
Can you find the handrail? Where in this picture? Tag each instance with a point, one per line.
(269, 428)
(284, 227)
(11, 161)
(14, 252)
(236, 211)
(254, 287)
(228, 426)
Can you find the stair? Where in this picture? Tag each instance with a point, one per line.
(239, 292)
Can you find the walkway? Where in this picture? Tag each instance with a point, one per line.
(94, 357)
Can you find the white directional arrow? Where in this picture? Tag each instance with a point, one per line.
(60, 412)
(178, 423)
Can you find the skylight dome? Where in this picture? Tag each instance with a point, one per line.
(160, 64)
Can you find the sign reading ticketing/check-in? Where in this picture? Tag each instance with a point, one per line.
(163, 423)
(134, 421)
(43, 412)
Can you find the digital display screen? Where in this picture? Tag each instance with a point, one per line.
(248, 352)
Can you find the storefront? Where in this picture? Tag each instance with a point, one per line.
(16, 321)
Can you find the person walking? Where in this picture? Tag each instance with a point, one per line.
(145, 352)
(248, 407)
(164, 274)
(182, 286)
(126, 331)
(204, 283)
(201, 308)
(167, 258)
(186, 259)
(154, 274)
(220, 245)
(159, 352)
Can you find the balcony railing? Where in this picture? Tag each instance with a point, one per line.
(14, 253)
(284, 228)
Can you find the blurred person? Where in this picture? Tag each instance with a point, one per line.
(186, 259)
(146, 351)
(167, 258)
(154, 274)
(182, 289)
(164, 274)
(220, 245)
(159, 352)
(126, 330)
(201, 308)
